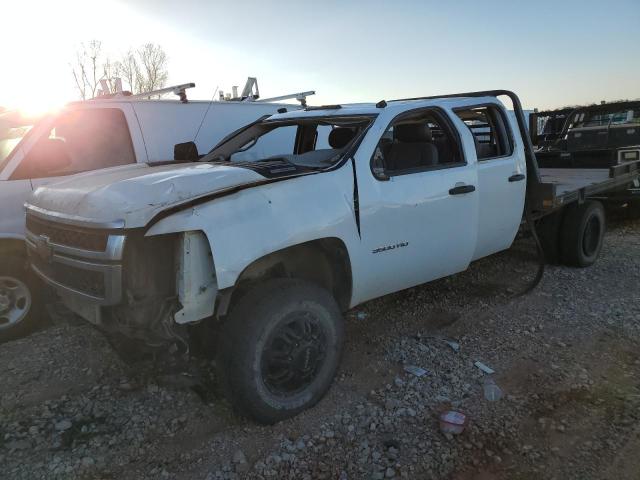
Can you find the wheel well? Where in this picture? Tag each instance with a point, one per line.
(324, 262)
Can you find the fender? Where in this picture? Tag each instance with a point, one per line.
(249, 224)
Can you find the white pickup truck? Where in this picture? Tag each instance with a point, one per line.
(87, 136)
(272, 244)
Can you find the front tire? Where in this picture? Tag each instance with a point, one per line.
(583, 233)
(280, 349)
(19, 299)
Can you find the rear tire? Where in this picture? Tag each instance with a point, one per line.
(583, 233)
(20, 302)
(280, 348)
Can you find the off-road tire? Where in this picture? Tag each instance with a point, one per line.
(583, 233)
(15, 267)
(247, 338)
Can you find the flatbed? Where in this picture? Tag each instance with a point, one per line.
(560, 186)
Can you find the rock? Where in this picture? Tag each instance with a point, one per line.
(239, 457)
(390, 473)
(63, 425)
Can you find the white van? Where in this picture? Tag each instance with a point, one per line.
(87, 136)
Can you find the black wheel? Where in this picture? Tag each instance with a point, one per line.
(280, 348)
(583, 234)
(19, 299)
(548, 229)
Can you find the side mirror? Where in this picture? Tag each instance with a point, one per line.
(185, 152)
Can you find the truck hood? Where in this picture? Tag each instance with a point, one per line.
(131, 196)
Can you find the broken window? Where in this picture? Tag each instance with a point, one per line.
(416, 142)
(491, 133)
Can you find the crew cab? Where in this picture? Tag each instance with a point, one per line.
(270, 241)
(120, 132)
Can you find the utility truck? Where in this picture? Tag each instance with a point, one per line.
(270, 242)
(106, 132)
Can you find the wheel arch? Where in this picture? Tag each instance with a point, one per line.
(324, 261)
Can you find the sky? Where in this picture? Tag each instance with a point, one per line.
(552, 53)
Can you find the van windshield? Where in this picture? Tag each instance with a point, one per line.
(13, 129)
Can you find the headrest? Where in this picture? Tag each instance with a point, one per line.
(412, 132)
(340, 137)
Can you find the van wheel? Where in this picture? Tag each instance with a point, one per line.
(583, 233)
(19, 299)
(280, 348)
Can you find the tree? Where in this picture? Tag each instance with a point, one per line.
(152, 68)
(88, 69)
(141, 70)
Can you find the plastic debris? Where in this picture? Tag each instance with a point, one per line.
(453, 422)
(361, 315)
(414, 370)
(486, 369)
(492, 392)
(455, 346)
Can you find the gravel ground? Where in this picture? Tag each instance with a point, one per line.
(566, 359)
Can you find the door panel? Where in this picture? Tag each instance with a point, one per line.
(413, 230)
(501, 192)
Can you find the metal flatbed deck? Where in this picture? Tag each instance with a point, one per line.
(559, 186)
(572, 179)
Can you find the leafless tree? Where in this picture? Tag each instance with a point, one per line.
(129, 71)
(152, 68)
(141, 70)
(88, 69)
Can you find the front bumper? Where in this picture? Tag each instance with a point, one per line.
(83, 265)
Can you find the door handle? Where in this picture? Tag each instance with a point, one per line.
(517, 177)
(462, 189)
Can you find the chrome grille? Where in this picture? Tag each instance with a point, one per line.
(85, 239)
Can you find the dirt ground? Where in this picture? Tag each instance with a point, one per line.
(566, 357)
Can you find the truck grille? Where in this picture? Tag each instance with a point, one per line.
(83, 264)
(85, 240)
(86, 281)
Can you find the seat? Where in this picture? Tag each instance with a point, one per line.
(484, 150)
(340, 137)
(412, 148)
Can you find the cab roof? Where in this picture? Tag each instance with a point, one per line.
(392, 106)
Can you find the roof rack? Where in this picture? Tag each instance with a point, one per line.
(251, 93)
(179, 90)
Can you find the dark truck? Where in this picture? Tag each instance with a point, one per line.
(595, 136)
(591, 138)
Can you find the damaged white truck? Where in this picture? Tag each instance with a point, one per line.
(272, 240)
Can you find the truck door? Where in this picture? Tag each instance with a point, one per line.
(418, 205)
(501, 177)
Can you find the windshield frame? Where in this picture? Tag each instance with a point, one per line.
(222, 152)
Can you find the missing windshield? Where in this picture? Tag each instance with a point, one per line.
(291, 145)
